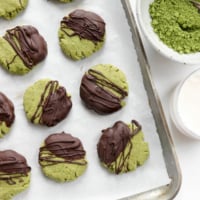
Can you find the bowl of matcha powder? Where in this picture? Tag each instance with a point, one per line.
(172, 27)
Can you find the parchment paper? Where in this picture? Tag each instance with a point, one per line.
(97, 183)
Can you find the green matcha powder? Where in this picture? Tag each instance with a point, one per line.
(177, 23)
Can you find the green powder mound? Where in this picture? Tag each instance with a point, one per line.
(8, 191)
(177, 23)
(4, 129)
(137, 157)
(32, 98)
(76, 47)
(114, 75)
(9, 59)
(9, 9)
(62, 172)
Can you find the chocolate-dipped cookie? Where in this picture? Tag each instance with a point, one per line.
(21, 49)
(14, 174)
(65, 1)
(103, 89)
(62, 157)
(7, 114)
(46, 102)
(121, 148)
(81, 34)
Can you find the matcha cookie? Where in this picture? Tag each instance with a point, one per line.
(65, 1)
(81, 34)
(7, 115)
(9, 9)
(46, 102)
(62, 157)
(14, 174)
(103, 88)
(21, 49)
(121, 148)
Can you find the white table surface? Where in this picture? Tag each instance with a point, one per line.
(166, 75)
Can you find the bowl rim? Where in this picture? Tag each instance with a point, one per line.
(163, 49)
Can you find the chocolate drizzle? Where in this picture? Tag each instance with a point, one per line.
(64, 146)
(55, 105)
(112, 144)
(11, 62)
(196, 4)
(29, 45)
(86, 25)
(12, 165)
(20, 2)
(6, 110)
(96, 97)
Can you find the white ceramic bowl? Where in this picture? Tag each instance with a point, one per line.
(144, 19)
(185, 106)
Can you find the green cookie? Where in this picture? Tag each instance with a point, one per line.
(7, 115)
(9, 59)
(81, 34)
(46, 102)
(103, 88)
(14, 174)
(65, 1)
(62, 157)
(11, 8)
(21, 49)
(121, 148)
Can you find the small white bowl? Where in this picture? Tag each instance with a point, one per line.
(185, 106)
(144, 19)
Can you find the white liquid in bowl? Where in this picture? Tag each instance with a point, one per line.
(185, 109)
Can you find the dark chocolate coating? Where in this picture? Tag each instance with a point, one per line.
(7, 114)
(64, 146)
(12, 165)
(97, 98)
(85, 24)
(114, 141)
(55, 107)
(29, 45)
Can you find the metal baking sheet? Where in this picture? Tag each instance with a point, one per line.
(142, 105)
